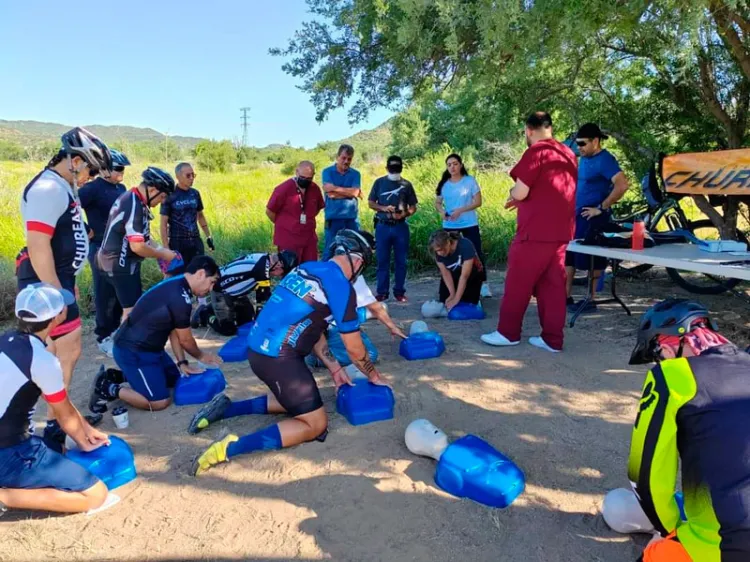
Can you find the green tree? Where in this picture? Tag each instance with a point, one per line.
(215, 156)
(10, 150)
(667, 75)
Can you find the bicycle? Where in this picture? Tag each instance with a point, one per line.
(662, 214)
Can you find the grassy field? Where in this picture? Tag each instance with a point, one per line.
(235, 207)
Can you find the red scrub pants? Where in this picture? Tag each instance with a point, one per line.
(535, 269)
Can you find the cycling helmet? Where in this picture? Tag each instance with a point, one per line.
(671, 317)
(158, 178)
(118, 158)
(348, 242)
(82, 143)
(288, 260)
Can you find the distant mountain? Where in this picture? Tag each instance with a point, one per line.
(372, 142)
(30, 132)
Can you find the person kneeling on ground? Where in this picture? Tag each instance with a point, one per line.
(695, 412)
(33, 476)
(230, 298)
(162, 314)
(377, 309)
(286, 330)
(460, 270)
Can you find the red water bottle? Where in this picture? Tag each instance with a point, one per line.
(639, 230)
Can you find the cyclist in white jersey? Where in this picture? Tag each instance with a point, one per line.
(57, 242)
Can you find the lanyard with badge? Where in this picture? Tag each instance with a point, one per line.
(302, 215)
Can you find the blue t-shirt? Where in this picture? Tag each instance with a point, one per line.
(460, 194)
(342, 208)
(595, 175)
(182, 208)
(300, 308)
(97, 198)
(164, 307)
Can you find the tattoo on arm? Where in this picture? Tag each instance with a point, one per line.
(365, 365)
(327, 353)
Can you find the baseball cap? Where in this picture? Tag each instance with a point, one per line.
(590, 131)
(394, 164)
(41, 301)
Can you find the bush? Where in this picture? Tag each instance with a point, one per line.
(215, 156)
(10, 150)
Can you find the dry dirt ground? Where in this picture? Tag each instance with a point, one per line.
(361, 496)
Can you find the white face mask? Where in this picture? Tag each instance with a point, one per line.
(394, 177)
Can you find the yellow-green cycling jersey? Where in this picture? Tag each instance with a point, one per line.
(696, 412)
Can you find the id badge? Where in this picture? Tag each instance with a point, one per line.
(303, 218)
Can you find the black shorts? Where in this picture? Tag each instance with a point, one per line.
(73, 316)
(189, 248)
(127, 287)
(290, 380)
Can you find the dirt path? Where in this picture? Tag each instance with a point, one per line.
(361, 496)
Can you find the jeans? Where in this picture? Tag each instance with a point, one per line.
(332, 229)
(389, 236)
(108, 309)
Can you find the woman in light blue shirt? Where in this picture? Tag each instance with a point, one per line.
(458, 197)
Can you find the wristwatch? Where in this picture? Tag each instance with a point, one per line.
(183, 362)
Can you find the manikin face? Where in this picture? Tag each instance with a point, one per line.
(423, 438)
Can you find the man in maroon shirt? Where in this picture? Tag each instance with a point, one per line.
(292, 209)
(544, 195)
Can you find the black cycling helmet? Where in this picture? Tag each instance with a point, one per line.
(288, 260)
(357, 242)
(80, 142)
(118, 158)
(158, 178)
(671, 317)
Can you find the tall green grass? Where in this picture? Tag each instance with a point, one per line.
(235, 207)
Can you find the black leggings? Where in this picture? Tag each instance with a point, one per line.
(472, 233)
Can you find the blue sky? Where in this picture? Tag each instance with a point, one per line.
(184, 68)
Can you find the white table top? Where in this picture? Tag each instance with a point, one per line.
(678, 256)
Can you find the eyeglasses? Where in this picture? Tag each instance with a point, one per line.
(190, 175)
(582, 143)
(119, 169)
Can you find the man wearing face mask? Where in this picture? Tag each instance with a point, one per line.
(394, 200)
(292, 209)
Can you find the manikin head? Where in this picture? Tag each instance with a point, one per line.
(623, 512)
(423, 438)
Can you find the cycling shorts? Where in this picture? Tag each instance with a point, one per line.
(290, 380)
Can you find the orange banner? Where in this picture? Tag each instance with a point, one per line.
(724, 172)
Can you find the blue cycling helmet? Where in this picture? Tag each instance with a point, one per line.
(118, 158)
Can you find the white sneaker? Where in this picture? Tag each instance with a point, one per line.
(105, 346)
(537, 341)
(485, 292)
(497, 339)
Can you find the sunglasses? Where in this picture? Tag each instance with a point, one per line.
(582, 143)
(93, 172)
(119, 169)
(190, 175)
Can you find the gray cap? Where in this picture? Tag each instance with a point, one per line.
(41, 301)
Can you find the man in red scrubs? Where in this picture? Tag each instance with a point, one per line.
(292, 209)
(544, 195)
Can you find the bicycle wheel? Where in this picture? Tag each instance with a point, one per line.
(703, 283)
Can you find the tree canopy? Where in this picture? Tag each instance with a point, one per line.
(660, 76)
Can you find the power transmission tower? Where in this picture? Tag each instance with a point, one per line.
(244, 111)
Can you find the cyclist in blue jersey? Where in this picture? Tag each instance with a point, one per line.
(289, 327)
(162, 314)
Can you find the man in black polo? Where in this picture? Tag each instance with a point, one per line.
(394, 200)
(97, 198)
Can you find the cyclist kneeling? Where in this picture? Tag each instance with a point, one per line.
(231, 306)
(162, 314)
(288, 328)
(694, 411)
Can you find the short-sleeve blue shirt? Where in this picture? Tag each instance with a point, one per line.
(342, 208)
(595, 175)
